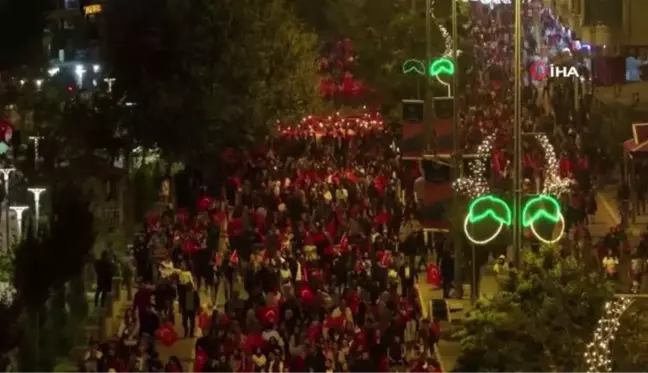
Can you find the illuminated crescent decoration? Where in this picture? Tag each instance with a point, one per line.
(488, 213)
(549, 209)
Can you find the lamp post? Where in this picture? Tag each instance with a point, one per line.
(110, 82)
(36, 140)
(5, 178)
(517, 136)
(18, 210)
(36, 192)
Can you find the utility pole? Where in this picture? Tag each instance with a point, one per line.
(517, 138)
(456, 150)
(429, 95)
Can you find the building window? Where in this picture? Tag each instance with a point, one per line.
(603, 12)
(68, 25)
(71, 4)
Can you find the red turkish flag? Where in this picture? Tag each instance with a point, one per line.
(306, 296)
(433, 275)
(167, 335)
(268, 315)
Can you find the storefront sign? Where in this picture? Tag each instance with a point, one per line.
(92, 9)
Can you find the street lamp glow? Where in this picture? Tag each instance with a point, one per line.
(5, 177)
(36, 192)
(22, 82)
(36, 140)
(79, 70)
(53, 71)
(18, 210)
(39, 83)
(110, 82)
(96, 68)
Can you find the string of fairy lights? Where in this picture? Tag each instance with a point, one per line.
(553, 183)
(597, 354)
(476, 184)
(444, 32)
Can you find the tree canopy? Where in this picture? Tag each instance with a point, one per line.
(630, 354)
(205, 74)
(43, 264)
(541, 320)
(384, 34)
(21, 31)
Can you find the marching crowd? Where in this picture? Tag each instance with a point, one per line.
(300, 256)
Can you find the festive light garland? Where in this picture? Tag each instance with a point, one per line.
(476, 184)
(553, 183)
(489, 213)
(597, 354)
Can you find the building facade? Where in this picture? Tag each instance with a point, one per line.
(72, 41)
(618, 25)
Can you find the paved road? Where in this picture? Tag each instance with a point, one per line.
(185, 348)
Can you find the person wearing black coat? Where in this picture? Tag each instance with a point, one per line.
(364, 364)
(104, 271)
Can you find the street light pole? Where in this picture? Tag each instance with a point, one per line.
(429, 95)
(456, 151)
(36, 192)
(18, 210)
(517, 136)
(5, 178)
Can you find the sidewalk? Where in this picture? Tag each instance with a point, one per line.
(448, 349)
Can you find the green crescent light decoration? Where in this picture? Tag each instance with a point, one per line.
(441, 66)
(474, 217)
(413, 66)
(553, 214)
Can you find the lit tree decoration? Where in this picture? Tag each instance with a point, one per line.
(597, 355)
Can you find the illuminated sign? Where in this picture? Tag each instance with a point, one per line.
(489, 208)
(543, 208)
(442, 66)
(413, 66)
(92, 9)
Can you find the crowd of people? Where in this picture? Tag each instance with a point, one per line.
(300, 256)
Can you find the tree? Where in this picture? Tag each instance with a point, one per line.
(540, 321)
(45, 264)
(21, 31)
(384, 34)
(630, 354)
(204, 75)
